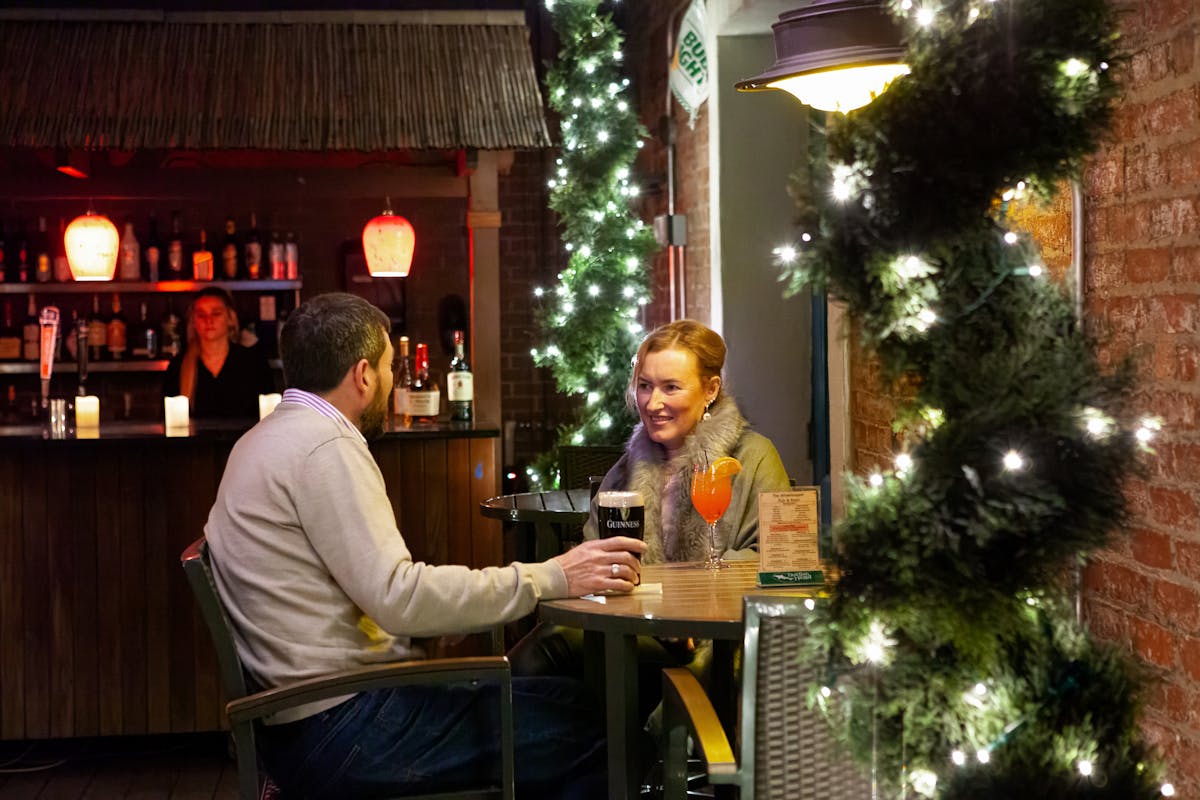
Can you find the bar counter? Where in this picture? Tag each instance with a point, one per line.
(99, 634)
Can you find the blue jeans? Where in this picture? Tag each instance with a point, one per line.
(410, 740)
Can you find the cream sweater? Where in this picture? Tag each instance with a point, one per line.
(313, 571)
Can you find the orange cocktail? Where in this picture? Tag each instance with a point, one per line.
(712, 488)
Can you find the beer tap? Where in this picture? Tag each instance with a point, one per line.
(81, 354)
(49, 338)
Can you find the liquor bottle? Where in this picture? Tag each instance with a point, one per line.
(153, 251)
(31, 334)
(253, 250)
(71, 343)
(97, 332)
(118, 331)
(144, 341)
(460, 384)
(62, 267)
(4, 276)
(12, 412)
(175, 250)
(277, 255)
(229, 251)
(169, 340)
(267, 329)
(404, 381)
(129, 257)
(424, 398)
(43, 264)
(202, 259)
(291, 254)
(10, 336)
(22, 266)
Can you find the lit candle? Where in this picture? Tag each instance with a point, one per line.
(176, 411)
(267, 403)
(87, 411)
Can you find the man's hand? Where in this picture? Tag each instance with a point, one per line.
(602, 565)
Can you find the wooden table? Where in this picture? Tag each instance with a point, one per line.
(547, 512)
(694, 602)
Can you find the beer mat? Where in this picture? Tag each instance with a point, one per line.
(645, 588)
(648, 588)
(595, 598)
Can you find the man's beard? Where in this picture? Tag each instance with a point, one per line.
(374, 417)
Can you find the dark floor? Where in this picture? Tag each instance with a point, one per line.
(176, 767)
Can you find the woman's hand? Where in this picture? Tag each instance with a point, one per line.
(603, 565)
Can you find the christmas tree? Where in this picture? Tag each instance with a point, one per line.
(589, 319)
(957, 666)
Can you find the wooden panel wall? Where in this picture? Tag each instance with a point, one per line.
(99, 634)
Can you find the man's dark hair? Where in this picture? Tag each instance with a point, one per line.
(326, 336)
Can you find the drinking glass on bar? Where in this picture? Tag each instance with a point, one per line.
(621, 514)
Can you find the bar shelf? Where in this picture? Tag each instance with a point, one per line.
(109, 287)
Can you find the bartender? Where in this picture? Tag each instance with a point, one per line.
(221, 378)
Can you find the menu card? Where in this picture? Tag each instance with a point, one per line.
(788, 525)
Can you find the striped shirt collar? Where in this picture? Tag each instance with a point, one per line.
(321, 406)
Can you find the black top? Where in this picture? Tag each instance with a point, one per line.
(232, 393)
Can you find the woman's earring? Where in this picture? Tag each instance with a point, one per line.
(706, 415)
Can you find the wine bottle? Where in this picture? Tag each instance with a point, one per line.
(144, 341)
(97, 332)
(252, 250)
(460, 384)
(291, 254)
(404, 381)
(43, 264)
(129, 254)
(118, 330)
(153, 251)
(229, 251)
(22, 267)
(62, 267)
(175, 249)
(31, 334)
(277, 255)
(202, 259)
(169, 340)
(424, 398)
(10, 336)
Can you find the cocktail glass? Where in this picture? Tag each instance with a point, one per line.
(711, 491)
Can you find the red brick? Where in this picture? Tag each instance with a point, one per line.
(1106, 174)
(1145, 169)
(1171, 113)
(1183, 164)
(1151, 548)
(1178, 312)
(1185, 264)
(1152, 643)
(1172, 506)
(1117, 582)
(1189, 656)
(1172, 699)
(1187, 558)
(1148, 265)
(1106, 622)
(1177, 606)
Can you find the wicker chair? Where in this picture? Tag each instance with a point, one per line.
(787, 751)
(245, 709)
(577, 463)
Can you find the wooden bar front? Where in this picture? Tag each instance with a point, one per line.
(99, 634)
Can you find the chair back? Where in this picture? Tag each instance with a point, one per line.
(788, 751)
(578, 463)
(199, 574)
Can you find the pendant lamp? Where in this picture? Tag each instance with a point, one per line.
(835, 55)
(91, 245)
(388, 242)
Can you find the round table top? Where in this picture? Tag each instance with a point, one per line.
(696, 602)
(569, 507)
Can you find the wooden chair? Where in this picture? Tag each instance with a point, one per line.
(787, 751)
(244, 709)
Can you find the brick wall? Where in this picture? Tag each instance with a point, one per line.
(1142, 294)
(647, 27)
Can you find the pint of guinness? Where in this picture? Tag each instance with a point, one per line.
(621, 514)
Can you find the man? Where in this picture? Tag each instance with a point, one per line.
(316, 578)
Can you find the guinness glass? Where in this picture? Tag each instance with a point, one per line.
(621, 514)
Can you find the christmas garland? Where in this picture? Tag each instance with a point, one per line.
(956, 664)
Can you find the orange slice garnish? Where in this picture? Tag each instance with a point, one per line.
(725, 467)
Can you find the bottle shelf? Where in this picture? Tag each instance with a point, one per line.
(110, 287)
(158, 365)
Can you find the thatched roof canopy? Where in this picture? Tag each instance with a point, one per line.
(380, 84)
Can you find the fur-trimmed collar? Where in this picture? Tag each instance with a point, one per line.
(650, 472)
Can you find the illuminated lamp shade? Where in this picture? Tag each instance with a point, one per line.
(834, 55)
(91, 245)
(388, 242)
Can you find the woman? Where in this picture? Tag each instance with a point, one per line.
(687, 419)
(221, 379)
